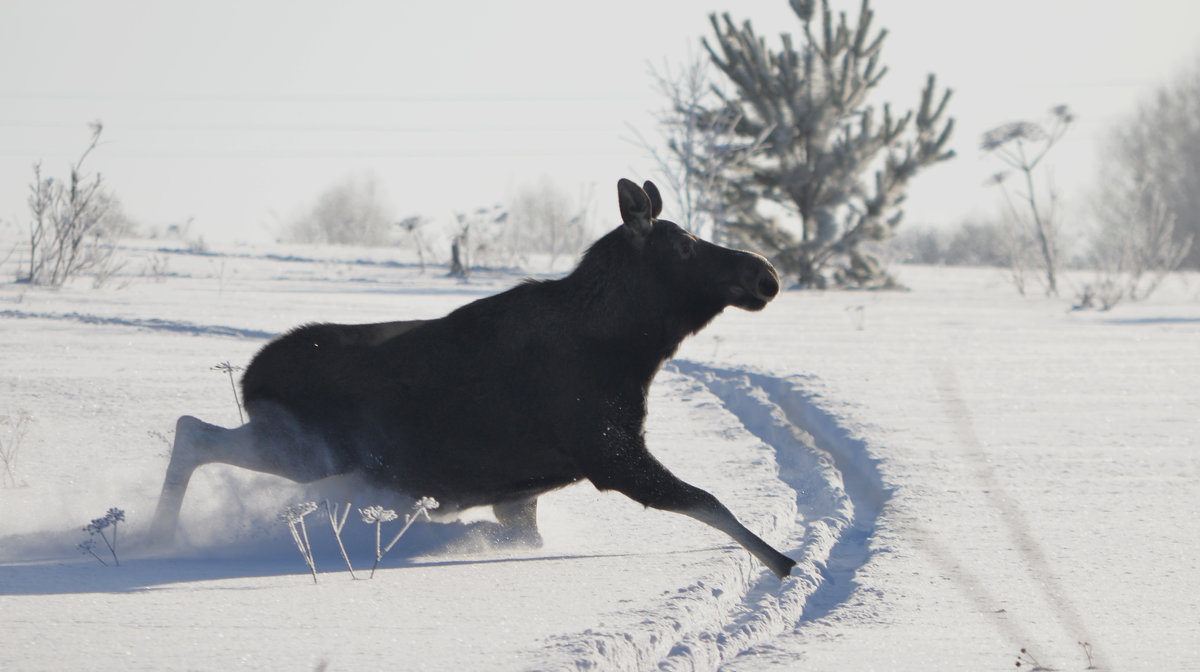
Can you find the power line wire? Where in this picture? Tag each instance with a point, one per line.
(313, 98)
(306, 128)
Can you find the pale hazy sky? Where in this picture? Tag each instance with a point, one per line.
(238, 114)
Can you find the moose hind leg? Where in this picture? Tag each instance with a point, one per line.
(187, 453)
(273, 443)
(519, 520)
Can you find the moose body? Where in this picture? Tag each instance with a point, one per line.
(502, 400)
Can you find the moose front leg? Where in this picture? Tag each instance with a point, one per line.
(644, 479)
(708, 509)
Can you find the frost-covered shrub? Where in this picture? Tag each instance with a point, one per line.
(12, 432)
(351, 212)
(74, 223)
(1134, 248)
(229, 369)
(371, 515)
(337, 522)
(1036, 225)
(294, 517)
(377, 515)
(972, 243)
(96, 528)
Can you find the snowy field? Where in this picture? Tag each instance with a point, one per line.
(960, 472)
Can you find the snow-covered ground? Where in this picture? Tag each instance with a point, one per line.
(961, 472)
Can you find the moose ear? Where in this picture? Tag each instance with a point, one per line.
(655, 199)
(636, 207)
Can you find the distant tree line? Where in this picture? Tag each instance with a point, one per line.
(542, 220)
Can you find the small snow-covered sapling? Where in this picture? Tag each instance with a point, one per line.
(97, 527)
(164, 438)
(378, 515)
(337, 523)
(17, 425)
(228, 369)
(1026, 659)
(89, 546)
(1087, 651)
(422, 507)
(294, 517)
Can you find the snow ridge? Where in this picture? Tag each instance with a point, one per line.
(839, 494)
(154, 323)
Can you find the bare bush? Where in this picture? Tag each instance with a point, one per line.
(351, 212)
(977, 243)
(545, 219)
(1159, 144)
(973, 243)
(476, 239)
(73, 226)
(702, 147)
(1134, 246)
(412, 227)
(919, 246)
(14, 427)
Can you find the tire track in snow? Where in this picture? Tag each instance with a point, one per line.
(1014, 518)
(839, 495)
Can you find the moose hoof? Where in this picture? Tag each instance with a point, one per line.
(520, 538)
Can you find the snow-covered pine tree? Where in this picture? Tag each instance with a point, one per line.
(822, 142)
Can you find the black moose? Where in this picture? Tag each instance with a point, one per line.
(502, 400)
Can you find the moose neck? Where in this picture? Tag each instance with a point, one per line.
(627, 310)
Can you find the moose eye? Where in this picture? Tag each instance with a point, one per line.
(685, 246)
